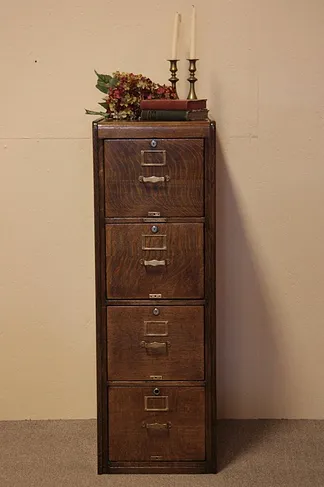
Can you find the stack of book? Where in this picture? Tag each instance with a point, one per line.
(173, 110)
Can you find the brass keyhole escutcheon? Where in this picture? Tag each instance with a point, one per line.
(155, 229)
(156, 311)
(156, 391)
(153, 143)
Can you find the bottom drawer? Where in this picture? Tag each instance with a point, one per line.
(144, 426)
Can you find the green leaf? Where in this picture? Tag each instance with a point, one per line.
(105, 78)
(91, 112)
(104, 104)
(102, 114)
(113, 82)
(103, 87)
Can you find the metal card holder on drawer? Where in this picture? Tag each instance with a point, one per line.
(156, 328)
(147, 158)
(156, 403)
(159, 242)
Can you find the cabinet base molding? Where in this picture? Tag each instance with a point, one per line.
(158, 467)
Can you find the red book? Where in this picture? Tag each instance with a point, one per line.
(162, 104)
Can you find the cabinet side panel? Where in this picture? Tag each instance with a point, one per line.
(210, 297)
(102, 420)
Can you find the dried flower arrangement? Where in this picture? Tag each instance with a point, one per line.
(124, 92)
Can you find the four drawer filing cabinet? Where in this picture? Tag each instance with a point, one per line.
(154, 189)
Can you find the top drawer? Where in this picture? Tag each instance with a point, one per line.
(146, 176)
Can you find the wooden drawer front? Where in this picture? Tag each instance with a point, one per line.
(129, 162)
(142, 346)
(141, 264)
(143, 427)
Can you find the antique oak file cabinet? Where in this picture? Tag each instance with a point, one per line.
(155, 280)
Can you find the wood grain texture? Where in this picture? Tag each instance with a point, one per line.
(180, 328)
(130, 441)
(183, 277)
(169, 383)
(154, 220)
(140, 130)
(155, 302)
(127, 196)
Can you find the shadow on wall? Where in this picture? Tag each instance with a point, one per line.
(250, 366)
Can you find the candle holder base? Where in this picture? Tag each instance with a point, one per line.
(192, 79)
(173, 79)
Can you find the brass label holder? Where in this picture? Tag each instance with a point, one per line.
(158, 239)
(156, 403)
(145, 154)
(156, 328)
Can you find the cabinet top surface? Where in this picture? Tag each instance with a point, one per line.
(138, 129)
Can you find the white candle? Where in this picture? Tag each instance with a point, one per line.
(175, 36)
(192, 54)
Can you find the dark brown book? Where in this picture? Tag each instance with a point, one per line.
(174, 115)
(173, 104)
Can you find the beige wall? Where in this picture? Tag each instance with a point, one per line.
(261, 67)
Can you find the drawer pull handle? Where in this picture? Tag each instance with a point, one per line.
(159, 346)
(154, 179)
(154, 262)
(157, 426)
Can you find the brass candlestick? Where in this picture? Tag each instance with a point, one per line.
(173, 69)
(192, 79)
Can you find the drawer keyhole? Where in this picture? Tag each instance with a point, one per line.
(156, 311)
(156, 391)
(153, 143)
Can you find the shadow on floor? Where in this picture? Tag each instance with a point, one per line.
(239, 438)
